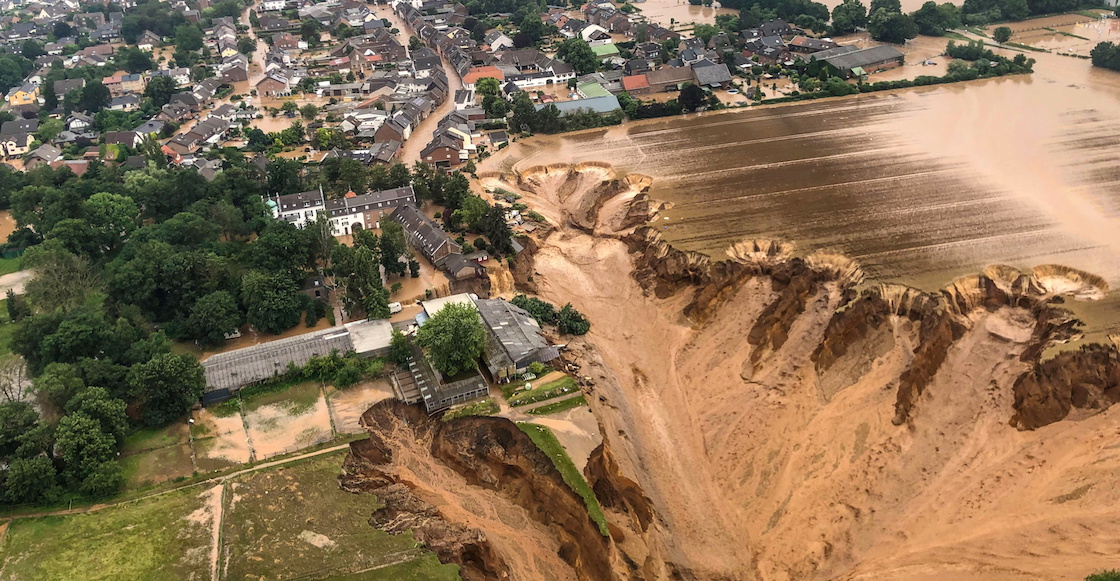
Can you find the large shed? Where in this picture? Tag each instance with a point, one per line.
(250, 365)
(514, 339)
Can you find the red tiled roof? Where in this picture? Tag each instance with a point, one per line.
(635, 82)
(481, 72)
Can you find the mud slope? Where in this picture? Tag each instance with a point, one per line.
(766, 418)
(478, 492)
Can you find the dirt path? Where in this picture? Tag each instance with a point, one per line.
(15, 281)
(216, 479)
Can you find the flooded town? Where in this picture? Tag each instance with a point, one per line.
(589, 291)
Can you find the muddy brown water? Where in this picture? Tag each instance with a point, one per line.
(920, 185)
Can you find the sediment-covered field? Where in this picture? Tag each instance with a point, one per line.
(765, 419)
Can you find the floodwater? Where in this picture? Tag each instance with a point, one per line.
(675, 12)
(920, 185)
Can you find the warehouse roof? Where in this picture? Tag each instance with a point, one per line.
(864, 58)
(250, 365)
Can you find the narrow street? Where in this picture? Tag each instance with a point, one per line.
(422, 134)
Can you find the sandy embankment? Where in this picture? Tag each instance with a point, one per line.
(761, 465)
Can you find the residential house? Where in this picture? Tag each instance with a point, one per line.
(148, 41)
(354, 212)
(274, 84)
(636, 85)
(78, 122)
(711, 75)
(61, 88)
(860, 62)
(424, 235)
(25, 94)
(496, 41)
(806, 45)
(299, 209)
(668, 79)
(648, 50)
(129, 102)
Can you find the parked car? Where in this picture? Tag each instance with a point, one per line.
(394, 308)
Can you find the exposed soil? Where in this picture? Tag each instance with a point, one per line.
(825, 433)
(347, 405)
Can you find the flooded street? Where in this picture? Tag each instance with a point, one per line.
(921, 185)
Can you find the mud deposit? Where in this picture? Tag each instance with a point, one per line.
(920, 186)
(767, 413)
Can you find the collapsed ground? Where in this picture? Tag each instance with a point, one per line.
(755, 429)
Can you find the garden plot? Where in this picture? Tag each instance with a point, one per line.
(219, 436)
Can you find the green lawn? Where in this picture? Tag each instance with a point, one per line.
(425, 569)
(547, 391)
(294, 522)
(559, 406)
(547, 442)
(150, 539)
(9, 265)
(295, 399)
(486, 407)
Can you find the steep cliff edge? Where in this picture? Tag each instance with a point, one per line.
(468, 489)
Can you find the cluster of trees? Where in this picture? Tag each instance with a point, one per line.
(464, 210)
(576, 52)
(493, 101)
(356, 268)
(985, 11)
(118, 255)
(13, 69)
(341, 174)
(526, 117)
(568, 320)
(1106, 55)
(158, 17)
(339, 370)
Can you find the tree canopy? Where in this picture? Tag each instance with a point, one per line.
(453, 339)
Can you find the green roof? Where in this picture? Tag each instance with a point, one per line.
(592, 89)
(605, 50)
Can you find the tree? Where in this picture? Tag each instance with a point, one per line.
(188, 37)
(94, 97)
(413, 268)
(246, 46)
(112, 219)
(705, 32)
(1001, 34)
(849, 16)
(50, 98)
(82, 446)
(393, 246)
(49, 129)
(892, 26)
(1105, 575)
(399, 350)
(934, 20)
(160, 90)
(576, 52)
(488, 86)
(1106, 55)
(97, 403)
(309, 111)
(572, 322)
(30, 480)
(212, 316)
(454, 339)
(271, 301)
(166, 386)
(289, 107)
(692, 97)
(32, 49)
(471, 212)
(414, 43)
(58, 384)
(543, 311)
(888, 5)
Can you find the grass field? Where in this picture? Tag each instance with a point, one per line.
(150, 539)
(547, 442)
(154, 455)
(559, 406)
(9, 265)
(486, 407)
(294, 522)
(547, 391)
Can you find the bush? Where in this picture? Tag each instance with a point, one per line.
(572, 322)
(544, 312)
(347, 376)
(536, 368)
